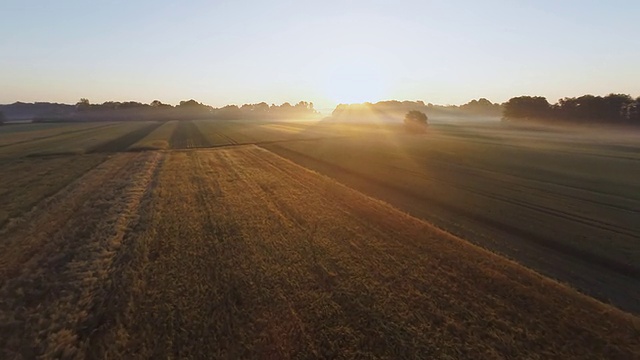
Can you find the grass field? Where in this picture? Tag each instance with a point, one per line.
(237, 251)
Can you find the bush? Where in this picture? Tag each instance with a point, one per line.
(416, 121)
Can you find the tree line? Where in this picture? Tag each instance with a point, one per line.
(393, 110)
(84, 110)
(586, 109)
(303, 109)
(619, 109)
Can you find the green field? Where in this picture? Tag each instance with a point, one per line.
(246, 239)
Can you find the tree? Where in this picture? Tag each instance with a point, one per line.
(589, 108)
(262, 107)
(481, 106)
(230, 112)
(632, 112)
(157, 104)
(192, 104)
(615, 107)
(415, 121)
(527, 107)
(83, 104)
(193, 107)
(132, 105)
(110, 105)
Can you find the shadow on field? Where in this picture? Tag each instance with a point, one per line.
(125, 141)
(187, 135)
(57, 134)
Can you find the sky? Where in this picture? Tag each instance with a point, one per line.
(328, 52)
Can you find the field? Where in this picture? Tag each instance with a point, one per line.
(25, 182)
(27, 132)
(202, 239)
(76, 139)
(564, 207)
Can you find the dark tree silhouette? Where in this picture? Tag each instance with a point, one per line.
(481, 106)
(83, 104)
(527, 107)
(83, 110)
(190, 104)
(632, 112)
(615, 105)
(132, 105)
(589, 108)
(159, 104)
(610, 109)
(415, 121)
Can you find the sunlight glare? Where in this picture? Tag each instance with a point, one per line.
(355, 83)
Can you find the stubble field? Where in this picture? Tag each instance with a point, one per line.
(237, 252)
(566, 205)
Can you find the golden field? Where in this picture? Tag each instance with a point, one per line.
(237, 252)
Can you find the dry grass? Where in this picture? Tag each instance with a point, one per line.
(569, 214)
(25, 182)
(55, 266)
(247, 255)
(158, 139)
(28, 132)
(238, 253)
(187, 135)
(214, 131)
(75, 143)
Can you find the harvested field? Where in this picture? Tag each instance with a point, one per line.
(54, 266)
(238, 253)
(15, 134)
(25, 182)
(187, 135)
(125, 140)
(110, 137)
(535, 198)
(158, 139)
(227, 132)
(211, 130)
(530, 194)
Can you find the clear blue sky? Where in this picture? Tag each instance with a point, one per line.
(445, 52)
